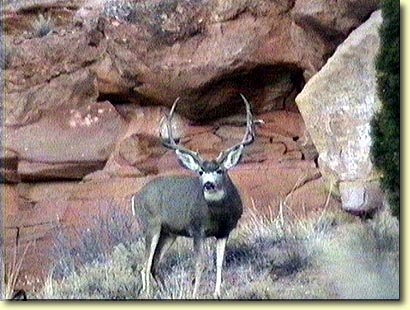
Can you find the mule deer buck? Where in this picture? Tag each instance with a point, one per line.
(207, 205)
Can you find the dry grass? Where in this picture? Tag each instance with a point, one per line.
(331, 255)
(363, 260)
(77, 248)
(12, 271)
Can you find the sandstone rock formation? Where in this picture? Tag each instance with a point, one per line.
(337, 105)
(150, 52)
(67, 143)
(205, 52)
(84, 97)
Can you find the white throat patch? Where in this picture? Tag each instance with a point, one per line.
(214, 196)
(216, 179)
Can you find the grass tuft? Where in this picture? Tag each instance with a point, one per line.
(42, 26)
(12, 271)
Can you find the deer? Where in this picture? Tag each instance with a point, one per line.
(201, 206)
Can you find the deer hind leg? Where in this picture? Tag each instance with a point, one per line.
(151, 243)
(164, 243)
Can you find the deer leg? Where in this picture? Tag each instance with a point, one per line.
(220, 251)
(168, 243)
(151, 245)
(199, 263)
(164, 243)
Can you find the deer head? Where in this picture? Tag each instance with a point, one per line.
(212, 173)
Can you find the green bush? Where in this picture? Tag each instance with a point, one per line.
(386, 124)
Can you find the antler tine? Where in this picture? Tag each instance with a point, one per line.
(249, 136)
(170, 142)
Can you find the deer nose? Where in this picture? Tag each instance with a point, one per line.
(209, 186)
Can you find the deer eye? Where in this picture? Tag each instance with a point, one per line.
(219, 171)
(201, 172)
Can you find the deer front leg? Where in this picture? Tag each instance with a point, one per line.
(220, 251)
(199, 263)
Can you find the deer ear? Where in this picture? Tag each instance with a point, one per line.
(188, 161)
(232, 159)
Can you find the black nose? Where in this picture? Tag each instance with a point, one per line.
(209, 186)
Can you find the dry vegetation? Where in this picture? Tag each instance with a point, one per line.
(330, 256)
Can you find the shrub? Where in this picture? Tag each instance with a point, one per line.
(42, 26)
(386, 124)
(167, 21)
(267, 258)
(78, 247)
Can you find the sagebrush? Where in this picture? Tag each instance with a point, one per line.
(330, 256)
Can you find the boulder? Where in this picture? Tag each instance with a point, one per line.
(139, 148)
(65, 143)
(332, 19)
(48, 73)
(36, 61)
(25, 106)
(320, 26)
(338, 104)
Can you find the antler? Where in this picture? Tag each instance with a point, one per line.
(170, 142)
(249, 136)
